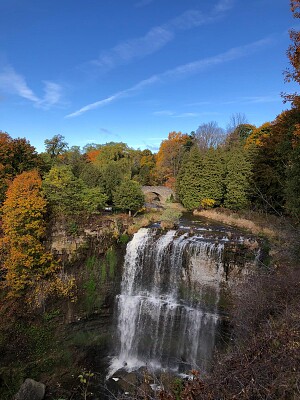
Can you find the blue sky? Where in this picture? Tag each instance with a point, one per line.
(135, 70)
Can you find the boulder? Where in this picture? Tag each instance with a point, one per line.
(31, 390)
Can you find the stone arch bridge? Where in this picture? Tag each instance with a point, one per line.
(157, 193)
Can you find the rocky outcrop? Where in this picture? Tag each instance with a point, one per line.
(31, 390)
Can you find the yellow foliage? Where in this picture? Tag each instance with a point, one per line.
(24, 259)
(61, 285)
(207, 203)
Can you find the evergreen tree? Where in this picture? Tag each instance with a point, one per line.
(212, 176)
(237, 179)
(189, 179)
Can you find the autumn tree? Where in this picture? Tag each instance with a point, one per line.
(169, 157)
(26, 261)
(270, 147)
(16, 156)
(143, 167)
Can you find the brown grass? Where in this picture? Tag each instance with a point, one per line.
(235, 220)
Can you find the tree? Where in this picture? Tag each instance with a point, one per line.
(26, 261)
(189, 179)
(209, 135)
(55, 146)
(293, 73)
(112, 177)
(75, 159)
(170, 155)
(91, 176)
(16, 156)
(143, 168)
(237, 181)
(212, 176)
(271, 147)
(292, 187)
(128, 196)
(69, 195)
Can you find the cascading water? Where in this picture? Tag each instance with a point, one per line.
(168, 306)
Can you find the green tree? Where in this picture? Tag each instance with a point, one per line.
(212, 176)
(92, 176)
(112, 177)
(69, 195)
(75, 159)
(93, 199)
(189, 179)
(237, 182)
(128, 196)
(55, 146)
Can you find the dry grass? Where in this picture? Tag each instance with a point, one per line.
(240, 222)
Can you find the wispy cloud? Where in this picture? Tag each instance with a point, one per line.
(164, 113)
(255, 99)
(116, 96)
(180, 72)
(223, 5)
(174, 114)
(199, 104)
(262, 99)
(143, 3)
(157, 37)
(53, 95)
(13, 83)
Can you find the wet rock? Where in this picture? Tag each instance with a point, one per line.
(31, 390)
(129, 382)
(144, 391)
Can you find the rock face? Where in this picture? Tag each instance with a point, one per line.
(31, 390)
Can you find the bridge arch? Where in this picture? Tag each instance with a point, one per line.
(155, 194)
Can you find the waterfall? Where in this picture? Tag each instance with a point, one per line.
(168, 306)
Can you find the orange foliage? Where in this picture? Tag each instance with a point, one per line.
(169, 156)
(92, 155)
(25, 259)
(259, 134)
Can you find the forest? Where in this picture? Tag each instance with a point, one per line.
(245, 167)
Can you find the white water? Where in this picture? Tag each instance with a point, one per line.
(168, 306)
